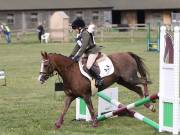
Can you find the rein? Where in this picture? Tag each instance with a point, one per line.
(47, 74)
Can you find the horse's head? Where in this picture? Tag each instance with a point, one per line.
(47, 68)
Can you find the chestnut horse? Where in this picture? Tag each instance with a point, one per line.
(129, 71)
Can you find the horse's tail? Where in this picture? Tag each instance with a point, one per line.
(141, 67)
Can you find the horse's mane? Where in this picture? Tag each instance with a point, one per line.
(59, 55)
(71, 62)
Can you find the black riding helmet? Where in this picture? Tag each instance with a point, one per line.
(77, 23)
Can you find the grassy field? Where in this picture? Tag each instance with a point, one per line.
(28, 108)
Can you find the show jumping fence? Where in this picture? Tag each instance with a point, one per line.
(131, 112)
(169, 91)
(169, 97)
(83, 113)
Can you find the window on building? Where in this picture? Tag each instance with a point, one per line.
(79, 14)
(140, 17)
(34, 18)
(10, 19)
(175, 17)
(175, 11)
(95, 16)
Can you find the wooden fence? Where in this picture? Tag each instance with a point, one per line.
(102, 34)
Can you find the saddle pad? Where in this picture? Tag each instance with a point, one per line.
(105, 65)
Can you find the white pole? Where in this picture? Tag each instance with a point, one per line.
(161, 88)
(176, 109)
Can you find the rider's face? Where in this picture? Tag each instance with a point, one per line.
(76, 30)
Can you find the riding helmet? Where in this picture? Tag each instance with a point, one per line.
(77, 23)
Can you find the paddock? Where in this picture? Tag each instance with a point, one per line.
(26, 107)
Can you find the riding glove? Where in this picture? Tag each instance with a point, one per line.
(76, 58)
(71, 56)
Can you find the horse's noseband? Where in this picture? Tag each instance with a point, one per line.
(49, 66)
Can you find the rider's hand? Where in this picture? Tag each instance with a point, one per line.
(71, 56)
(76, 58)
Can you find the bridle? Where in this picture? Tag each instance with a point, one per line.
(49, 67)
(49, 70)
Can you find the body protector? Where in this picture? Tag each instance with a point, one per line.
(78, 39)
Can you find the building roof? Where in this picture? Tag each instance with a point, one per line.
(51, 4)
(143, 4)
(83, 4)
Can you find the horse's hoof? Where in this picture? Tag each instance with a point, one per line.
(153, 108)
(57, 125)
(95, 124)
(150, 107)
(153, 101)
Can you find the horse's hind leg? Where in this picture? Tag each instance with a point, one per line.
(138, 81)
(134, 88)
(144, 83)
(88, 101)
(146, 92)
(138, 90)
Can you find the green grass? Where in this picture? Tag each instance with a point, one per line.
(28, 108)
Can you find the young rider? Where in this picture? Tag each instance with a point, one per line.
(86, 45)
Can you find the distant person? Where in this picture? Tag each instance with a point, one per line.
(6, 30)
(40, 30)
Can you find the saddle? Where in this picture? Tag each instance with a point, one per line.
(104, 66)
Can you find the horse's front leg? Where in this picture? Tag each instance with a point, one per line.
(88, 101)
(68, 100)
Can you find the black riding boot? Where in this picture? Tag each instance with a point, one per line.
(93, 71)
